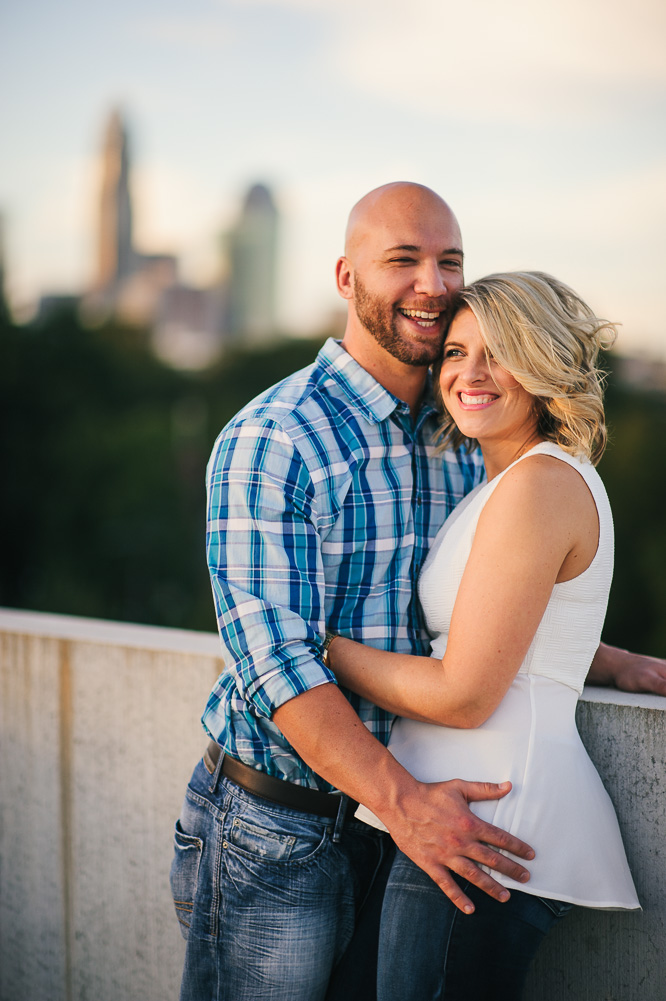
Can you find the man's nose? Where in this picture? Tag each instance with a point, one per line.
(430, 280)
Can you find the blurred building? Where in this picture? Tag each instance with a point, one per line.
(188, 330)
(127, 283)
(252, 251)
(115, 250)
(190, 326)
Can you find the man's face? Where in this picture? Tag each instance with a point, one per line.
(408, 268)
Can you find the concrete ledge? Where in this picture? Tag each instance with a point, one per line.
(99, 731)
(101, 632)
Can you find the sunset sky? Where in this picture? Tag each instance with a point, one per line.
(543, 124)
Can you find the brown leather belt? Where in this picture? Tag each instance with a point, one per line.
(324, 804)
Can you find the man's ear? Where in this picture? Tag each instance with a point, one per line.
(344, 278)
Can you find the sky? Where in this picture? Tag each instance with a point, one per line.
(542, 124)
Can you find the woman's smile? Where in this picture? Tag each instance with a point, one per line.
(475, 399)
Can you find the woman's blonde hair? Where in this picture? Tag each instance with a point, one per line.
(548, 339)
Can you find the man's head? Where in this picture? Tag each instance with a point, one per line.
(400, 273)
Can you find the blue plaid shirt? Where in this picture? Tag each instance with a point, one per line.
(323, 500)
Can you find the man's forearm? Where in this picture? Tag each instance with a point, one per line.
(604, 666)
(323, 728)
(630, 672)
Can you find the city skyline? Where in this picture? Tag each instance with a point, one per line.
(190, 326)
(543, 127)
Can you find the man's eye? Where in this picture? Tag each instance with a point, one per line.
(453, 264)
(401, 260)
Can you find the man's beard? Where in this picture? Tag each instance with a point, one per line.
(381, 322)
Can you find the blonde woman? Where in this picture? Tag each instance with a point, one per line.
(514, 592)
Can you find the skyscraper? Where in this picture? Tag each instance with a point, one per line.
(127, 283)
(115, 260)
(252, 246)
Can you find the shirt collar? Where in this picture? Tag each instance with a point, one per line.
(364, 393)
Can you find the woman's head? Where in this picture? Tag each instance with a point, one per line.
(548, 340)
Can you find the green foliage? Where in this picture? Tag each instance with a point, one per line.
(634, 471)
(104, 449)
(104, 452)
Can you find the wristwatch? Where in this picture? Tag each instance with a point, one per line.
(328, 639)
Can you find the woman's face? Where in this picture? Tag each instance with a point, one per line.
(483, 398)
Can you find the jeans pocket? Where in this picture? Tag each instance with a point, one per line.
(184, 875)
(269, 844)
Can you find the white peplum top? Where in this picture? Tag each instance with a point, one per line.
(558, 803)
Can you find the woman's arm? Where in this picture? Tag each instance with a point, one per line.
(539, 526)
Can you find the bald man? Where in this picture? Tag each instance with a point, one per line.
(324, 495)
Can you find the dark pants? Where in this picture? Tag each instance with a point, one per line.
(430, 950)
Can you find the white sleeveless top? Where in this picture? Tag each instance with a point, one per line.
(558, 803)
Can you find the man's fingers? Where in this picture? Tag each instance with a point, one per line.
(651, 680)
(501, 863)
(475, 791)
(501, 839)
(448, 885)
(481, 831)
(465, 868)
(471, 873)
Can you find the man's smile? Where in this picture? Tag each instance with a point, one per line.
(423, 317)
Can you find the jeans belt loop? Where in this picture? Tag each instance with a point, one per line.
(340, 819)
(213, 765)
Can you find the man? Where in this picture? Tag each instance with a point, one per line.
(324, 496)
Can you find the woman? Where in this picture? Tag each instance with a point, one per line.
(514, 592)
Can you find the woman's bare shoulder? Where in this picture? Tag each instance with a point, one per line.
(542, 486)
(542, 472)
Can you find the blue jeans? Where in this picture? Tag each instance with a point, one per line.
(430, 950)
(272, 908)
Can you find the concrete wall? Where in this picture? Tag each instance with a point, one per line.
(99, 731)
(606, 955)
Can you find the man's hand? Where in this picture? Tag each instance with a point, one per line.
(630, 672)
(431, 822)
(434, 826)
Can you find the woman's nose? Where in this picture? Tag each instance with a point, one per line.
(475, 368)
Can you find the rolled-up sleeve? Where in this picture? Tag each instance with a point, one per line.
(264, 558)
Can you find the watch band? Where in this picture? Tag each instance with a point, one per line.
(328, 639)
